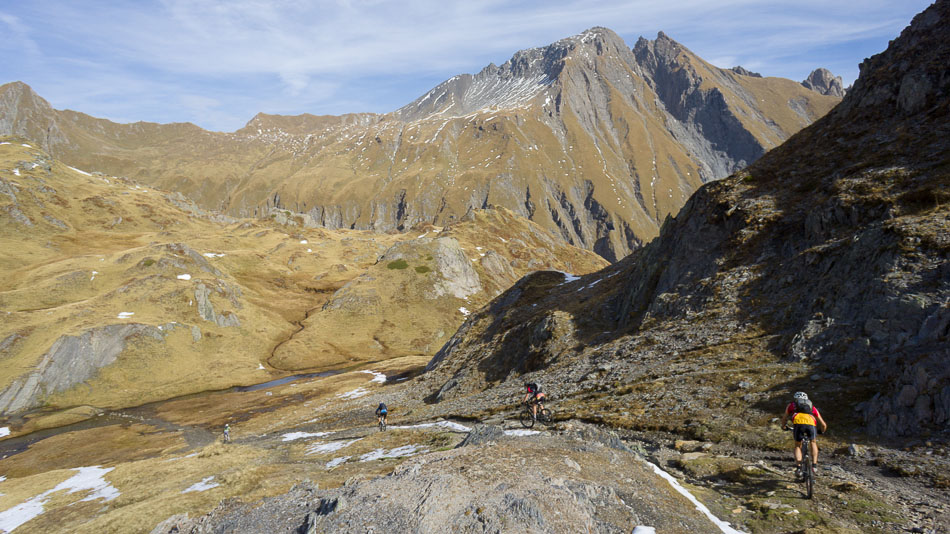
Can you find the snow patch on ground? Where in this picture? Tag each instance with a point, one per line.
(569, 277)
(87, 478)
(205, 484)
(451, 425)
(213, 255)
(464, 311)
(377, 377)
(521, 432)
(290, 436)
(303, 241)
(333, 446)
(643, 530)
(125, 315)
(184, 277)
(337, 461)
(260, 366)
(79, 171)
(16, 172)
(398, 452)
(356, 393)
(4, 431)
(723, 526)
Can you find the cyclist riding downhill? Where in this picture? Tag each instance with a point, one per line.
(805, 420)
(534, 396)
(381, 413)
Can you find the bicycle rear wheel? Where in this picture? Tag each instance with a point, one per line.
(545, 416)
(526, 420)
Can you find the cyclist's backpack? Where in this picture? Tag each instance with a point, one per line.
(804, 406)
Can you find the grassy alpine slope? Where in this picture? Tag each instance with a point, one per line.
(117, 294)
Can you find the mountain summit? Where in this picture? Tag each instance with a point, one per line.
(593, 140)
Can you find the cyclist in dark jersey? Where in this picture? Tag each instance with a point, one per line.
(805, 423)
(381, 413)
(534, 396)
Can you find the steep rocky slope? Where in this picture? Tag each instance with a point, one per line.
(823, 266)
(590, 139)
(116, 294)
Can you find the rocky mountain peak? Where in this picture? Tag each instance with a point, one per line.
(824, 82)
(911, 75)
(515, 82)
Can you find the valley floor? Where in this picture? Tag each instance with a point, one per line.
(309, 445)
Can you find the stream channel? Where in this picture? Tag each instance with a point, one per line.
(145, 414)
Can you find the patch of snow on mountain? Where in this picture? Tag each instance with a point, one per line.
(184, 277)
(291, 436)
(723, 526)
(356, 393)
(87, 478)
(333, 446)
(569, 277)
(4, 431)
(205, 484)
(337, 461)
(377, 377)
(125, 315)
(398, 452)
(79, 171)
(451, 425)
(521, 432)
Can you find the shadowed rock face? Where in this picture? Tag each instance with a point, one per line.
(830, 254)
(594, 141)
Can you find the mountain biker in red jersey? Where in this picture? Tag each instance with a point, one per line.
(805, 418)
(534, 396)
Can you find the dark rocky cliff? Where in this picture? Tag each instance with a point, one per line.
(827, 259)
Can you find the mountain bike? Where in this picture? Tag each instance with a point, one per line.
(527, 417)
(808, 469)
(382, 424)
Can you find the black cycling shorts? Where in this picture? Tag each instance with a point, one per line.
(800, 431)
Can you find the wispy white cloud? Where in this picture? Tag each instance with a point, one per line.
(151, 59)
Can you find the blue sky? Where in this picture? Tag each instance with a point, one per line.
(217, 63)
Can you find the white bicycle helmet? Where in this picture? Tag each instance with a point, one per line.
(800, 395)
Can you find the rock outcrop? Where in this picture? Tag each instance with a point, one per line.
(824, 82)
(537, 483)
(70, 361)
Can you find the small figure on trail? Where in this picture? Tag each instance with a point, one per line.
(533, 396)
(227, 433)
(805, 418)
(381, 413)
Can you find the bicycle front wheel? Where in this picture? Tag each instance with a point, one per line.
(526, 420)
(809, 475)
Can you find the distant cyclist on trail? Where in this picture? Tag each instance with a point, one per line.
(381, 413)
(227, 433)
(805, 418)
(534, 396)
